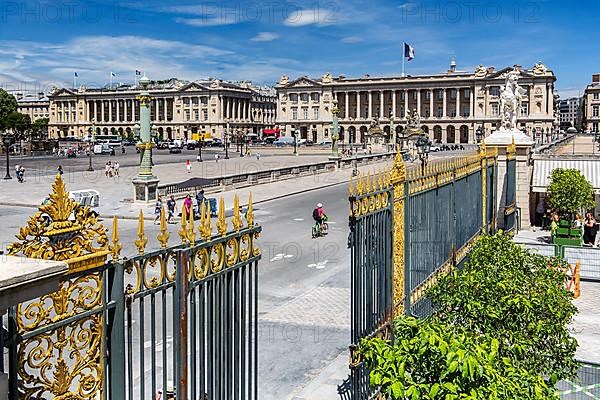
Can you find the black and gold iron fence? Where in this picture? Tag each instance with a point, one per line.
(408, 226)
(176, 322)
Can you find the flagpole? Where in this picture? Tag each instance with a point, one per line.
(403, 57)
(110, 85)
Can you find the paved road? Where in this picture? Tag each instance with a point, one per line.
(303, 296)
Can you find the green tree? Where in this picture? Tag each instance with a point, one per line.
(8, 105)
(39, 127)
(569, 191)
(510, 293)
(433, 360)
(19, 123)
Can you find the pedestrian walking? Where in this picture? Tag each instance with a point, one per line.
(106, 169)
(217, 157)
(21, 175)
(188, 166)
(187, 204)
(18, 173)
(158, 210)
(117, 166)
(589, 230)
(257, 156)
(200, 199)
(171, 205)
(59, 170)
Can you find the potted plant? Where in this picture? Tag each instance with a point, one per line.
(569, 193)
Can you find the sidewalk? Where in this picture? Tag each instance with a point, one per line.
(116, 194)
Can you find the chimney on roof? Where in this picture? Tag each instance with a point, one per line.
(452, 65)
(40, 95)
(367, 76)
(596, 78)
(18, 95)
(341, 77)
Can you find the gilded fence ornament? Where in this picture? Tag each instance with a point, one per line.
(221, 222)
(163, 234)
(250, 212)
(236, 220)
(191, 231)
(350, 187)
(142, 239)
(62, 230)
(63, 362)
(183, 229)
(116, 246)
(398, 179)
(205, 227)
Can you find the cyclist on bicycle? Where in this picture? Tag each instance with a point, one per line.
(319, 216)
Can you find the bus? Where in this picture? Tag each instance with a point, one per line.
(111, 140)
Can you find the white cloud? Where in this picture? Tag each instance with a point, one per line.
(351, 39)
(308, 16)
(265, 37)
(205, 21)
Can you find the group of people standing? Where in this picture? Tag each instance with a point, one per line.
(20, 173)
(188, 206)
(111, 169)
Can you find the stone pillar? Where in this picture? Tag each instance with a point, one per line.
(370, 111)
(431, 94)
(471, 102)
(444, 112)
(394, 110)
(381, 105)
(457, 102)
(406, 94)
(239, 109)
(521, 152)
(419, 101)
(358, 111)
(102, 111)
(346, 106)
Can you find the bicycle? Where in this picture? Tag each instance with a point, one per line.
(320, 229)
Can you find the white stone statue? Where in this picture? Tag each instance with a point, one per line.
(510, 101)
(539, 69)
(480, 71)
(327, 78)
(284, 80)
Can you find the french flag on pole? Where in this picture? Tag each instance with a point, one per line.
(409, 52)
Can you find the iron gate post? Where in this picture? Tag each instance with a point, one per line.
(115, 331)
(182, 327)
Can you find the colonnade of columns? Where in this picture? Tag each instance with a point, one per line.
(440, 103)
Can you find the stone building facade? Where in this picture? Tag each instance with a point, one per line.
(178, 109)
(591, 105)
(451, 105)
(36, 107)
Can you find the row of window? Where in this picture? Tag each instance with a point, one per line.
(315, 113)
(595, 111)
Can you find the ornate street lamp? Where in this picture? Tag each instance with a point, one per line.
(423, 146)
(335, 155)
(7, 141)
(200, 143)
(392, 131)
(226, 134)
(295, 135)
(91, 141)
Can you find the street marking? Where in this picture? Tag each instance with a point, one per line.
(281, 256)
(298, 219)
(319, 265)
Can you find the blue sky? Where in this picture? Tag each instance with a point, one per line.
(43, 42)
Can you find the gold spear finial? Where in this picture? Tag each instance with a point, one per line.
(116, 246)
(350, 187)
(163, 234)
(221, 222)
(183, 229)
(191, 231)
(236, 221)
(250, 212)
(142, 239)
(205, 227)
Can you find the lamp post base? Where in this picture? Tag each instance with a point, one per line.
(7, 177)
(145, 190)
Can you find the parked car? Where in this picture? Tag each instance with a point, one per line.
(216, 142)
(191, 144)
(174, 148)
(103, 148)
(327, 142)
(284, 141)
(162, 145)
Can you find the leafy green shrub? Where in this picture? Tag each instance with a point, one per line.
(433, 360)
(569, 191)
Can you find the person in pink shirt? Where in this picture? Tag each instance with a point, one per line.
(187, 205)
